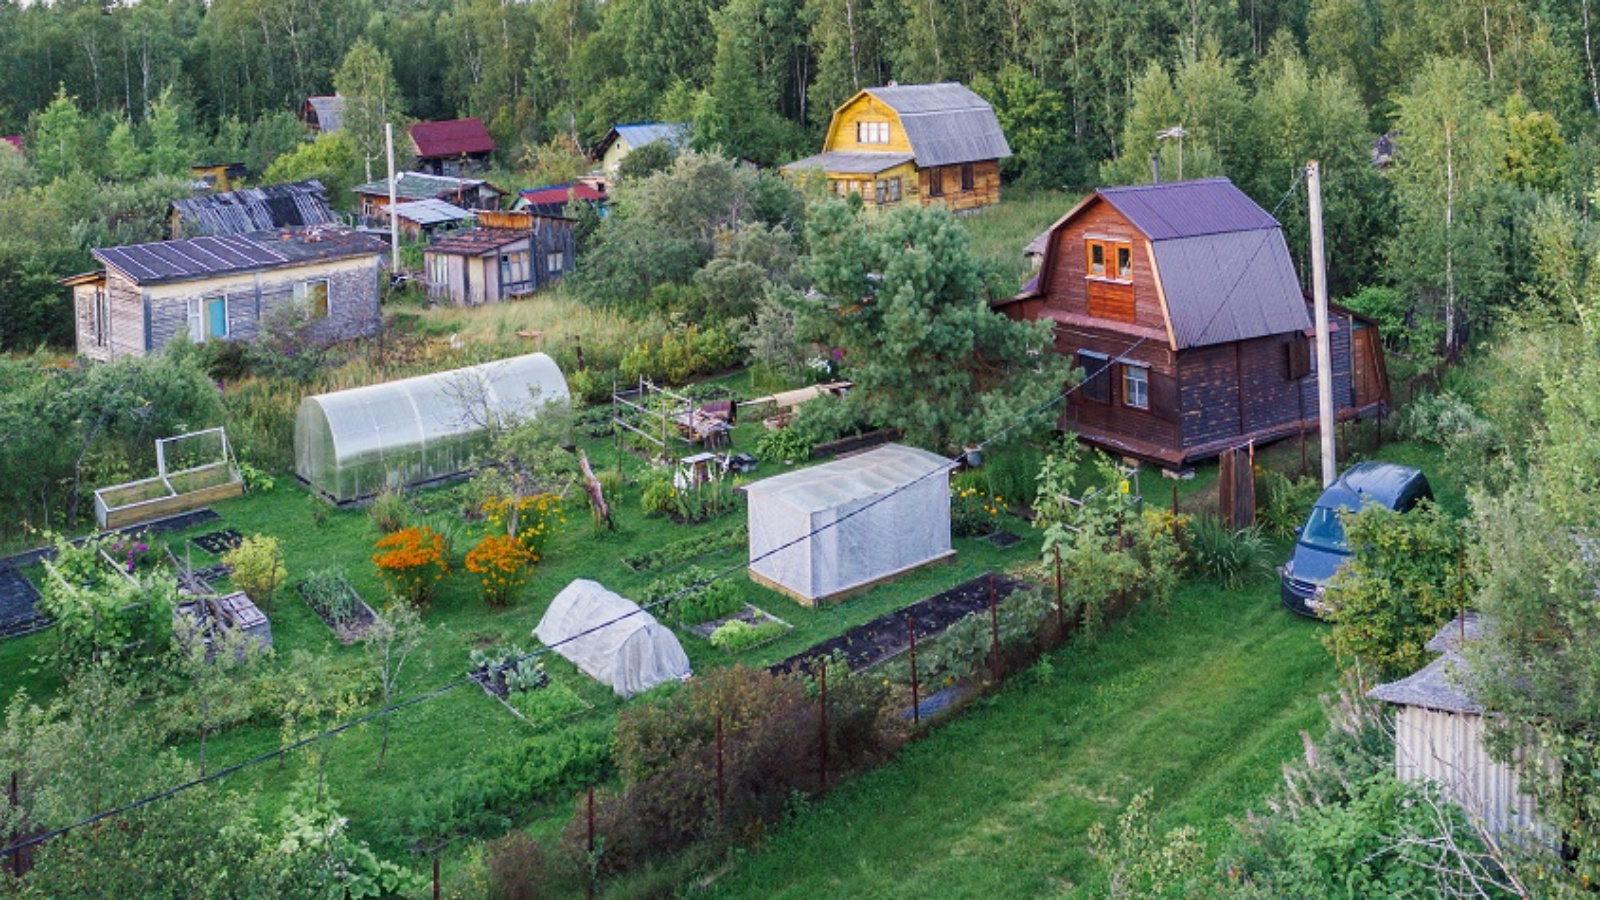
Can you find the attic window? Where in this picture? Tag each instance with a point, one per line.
(1110, 259)
(872, 132)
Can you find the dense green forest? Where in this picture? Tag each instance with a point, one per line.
(1489, 109)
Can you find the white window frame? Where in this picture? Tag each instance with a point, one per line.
(200, 322)
(872, 132)
(1135, 386)
(302, 296)
(555, 262)
(102, 316)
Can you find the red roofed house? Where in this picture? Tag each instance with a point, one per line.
(552, 200)
(1181, 305)
(451, 147)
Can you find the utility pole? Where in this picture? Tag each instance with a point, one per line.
(1319, 293)
(394, 220)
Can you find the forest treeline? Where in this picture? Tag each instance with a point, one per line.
(1458, 138)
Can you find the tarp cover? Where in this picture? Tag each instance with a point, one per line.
(876, 534)
(627, 648)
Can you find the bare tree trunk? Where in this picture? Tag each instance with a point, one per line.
(1449, 241)
(596, 493)
(1588, 55)
(850, 27)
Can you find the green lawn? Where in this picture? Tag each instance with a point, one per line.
(1201, 706)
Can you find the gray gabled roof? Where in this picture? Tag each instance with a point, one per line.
(865, 162)
(329, 110)
(1178, 209)
(257, 209)
(1437, 684)
(207, 257)
(946, 123)
(639, 134)
(421, 186)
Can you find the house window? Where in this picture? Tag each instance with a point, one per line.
(872, 132)
(936, 182)
(966, 176)
(894, 190)
(102, 317)
(438, 270)
(1096, 376)
(208, 318)
(1110, 259)
(554, 261)
(313, 297)
(514, 268)
(1136, 386)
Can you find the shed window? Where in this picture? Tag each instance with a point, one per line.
(1096, 376)
(881, 193)
(872, 132)
(554, 261)
(438, 270)
(102, 317)
(894, 190)
(936, 182)
(1136, 386)
(208, 318)
(1110, 259)
(514, 269)
(313, 297)
(966, 176)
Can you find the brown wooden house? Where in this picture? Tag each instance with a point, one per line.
(929, 143)
(1180, 304)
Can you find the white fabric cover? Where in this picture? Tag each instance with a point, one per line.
(632, 653)
(888, 535)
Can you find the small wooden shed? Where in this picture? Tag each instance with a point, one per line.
(1439, 737)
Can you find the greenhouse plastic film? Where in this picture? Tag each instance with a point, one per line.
(612, 639)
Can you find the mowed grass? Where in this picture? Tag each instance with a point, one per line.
(1201, 706)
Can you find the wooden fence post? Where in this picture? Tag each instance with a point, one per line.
(916, 701)
(994, 631)
(822, 731)
(721, 789)
(1061, 608)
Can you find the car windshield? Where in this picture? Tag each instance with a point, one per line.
(1324, 531)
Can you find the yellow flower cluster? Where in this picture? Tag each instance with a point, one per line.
(502, 564)
(536, 518)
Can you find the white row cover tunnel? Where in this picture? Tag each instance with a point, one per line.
(848, 523)
(612, 639)
(349, 444)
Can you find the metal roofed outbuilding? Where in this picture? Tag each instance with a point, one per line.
(350, 444)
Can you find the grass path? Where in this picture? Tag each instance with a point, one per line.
(1201, 705)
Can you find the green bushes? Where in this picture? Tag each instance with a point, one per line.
(1286, 501)
(679, 355)
(258, 569)
(1232, 557)
(689, 548)
(786, 445)
(737, 635)
(99, 614)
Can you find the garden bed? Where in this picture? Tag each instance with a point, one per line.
(753, 616)
(1005, 540)
(338, 605)
(886, 637)
(217, 543)
(549, 705)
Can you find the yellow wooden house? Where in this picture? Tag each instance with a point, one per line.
(929, 143)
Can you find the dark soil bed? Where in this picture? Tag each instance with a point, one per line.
(887, 636)
(1004, 539)
(217, 543)
(158, 526)
(348, 630)
(17, 599)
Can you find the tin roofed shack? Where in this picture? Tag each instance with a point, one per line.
(219, 288)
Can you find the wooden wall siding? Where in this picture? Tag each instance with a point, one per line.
(1082, 414)
(866, 108)
(126, 333)
(1208, 385)
(1066, 285)
(352, 301)
(1367, 376)
(1110, 300)
(1343, 394)
(985, 186)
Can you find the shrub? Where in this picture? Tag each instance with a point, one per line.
(502, 564)
(1286, 501)
(657, 496)
(1232, 557)
(412, 562)
(388, 510)
(255, 480)
(100, 615)
(736, 635)
(258, 569)
(531, 519)
(973, 511)
(516, 867)
(786, 445)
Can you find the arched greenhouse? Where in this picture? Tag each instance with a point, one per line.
(349, 444)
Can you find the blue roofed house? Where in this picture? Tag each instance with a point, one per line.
(622, 140)
(220, 288)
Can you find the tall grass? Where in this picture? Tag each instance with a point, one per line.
(999, 233)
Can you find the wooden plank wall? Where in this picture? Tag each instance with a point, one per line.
(1066, 283)
(985, 186)
(1140, 424)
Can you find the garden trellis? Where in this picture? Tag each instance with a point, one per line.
(351, 444)
(192, 470)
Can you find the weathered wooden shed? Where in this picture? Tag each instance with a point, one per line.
(931, 143)
(421, 219)
(1181, 305)
(1439, 737)
(324, 114)
(451, 147)
(510, 254)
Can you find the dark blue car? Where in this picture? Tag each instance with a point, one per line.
(1320, 548)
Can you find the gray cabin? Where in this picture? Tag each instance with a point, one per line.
(508, 255)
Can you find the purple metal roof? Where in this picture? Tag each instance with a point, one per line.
(1230, 287)
(1181, 209)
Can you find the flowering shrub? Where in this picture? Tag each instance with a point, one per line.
(974, 512)
(411, 561)
(258, 569)
(502, 564)
(531, 519)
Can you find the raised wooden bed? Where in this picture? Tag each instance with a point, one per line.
(154, 498)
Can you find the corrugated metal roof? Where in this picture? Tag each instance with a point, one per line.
(866, 162)
(946, 123)
(329, 110)
(420, 186)
(1230, 287)
(207, 257)
(640, 134)
(1180, 209)
(257, 209)
(452, 137)
(430, 211)
(476, 242)
(1438, 684)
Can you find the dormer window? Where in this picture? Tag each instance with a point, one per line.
(872, 132)
(1112, 260)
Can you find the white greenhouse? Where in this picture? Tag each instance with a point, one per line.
(892, 509)
(612, 639)
(349, 444)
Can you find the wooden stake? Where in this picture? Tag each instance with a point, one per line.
(822, 732)
(721, 796)
(994, 630)
(1061, 606)
(916, 703)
